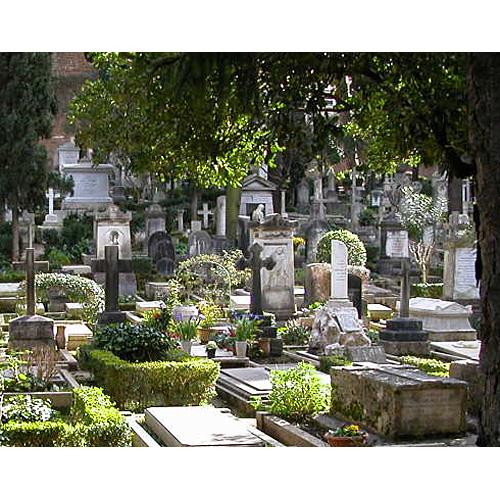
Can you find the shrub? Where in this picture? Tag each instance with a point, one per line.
(58, 258)
(430, 290)
(24, 408)
(326, 362)
(293, 333)
(135, 386)
(103, 424)
(356, 252)
(93, 421)
(133, 342)
(297, 394)
(428, 365)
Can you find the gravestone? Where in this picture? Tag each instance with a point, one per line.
(399, 401)
(162, 253)
(199, 426)
(303, 194)
(180, 221)
(460, 274)
(205, 213)
(314, 230)
(91, 186)
(393, 245)
(199, 242)
(256, 190)
(444, 321)
(67, 154)
(155, 220)
(113, 228)
(337, 323)
(317, 284)
(51, 220)
(275, 236)
(31, 330)
(111, 266)
(221, 216)
(404, 335)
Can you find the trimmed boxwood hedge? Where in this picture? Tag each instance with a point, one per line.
(135, 386)
(93, 421)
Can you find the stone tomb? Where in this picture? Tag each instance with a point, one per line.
(91, 186)
(443, 320)
(399, 401)
(162, 253)
(255, 191)
(76, 333)
(199, 426)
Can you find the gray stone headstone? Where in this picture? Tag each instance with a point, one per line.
(162, 253)
(199, 242)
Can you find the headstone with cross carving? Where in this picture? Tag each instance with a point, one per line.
(257, 263)
(111, 265)
(31, 330)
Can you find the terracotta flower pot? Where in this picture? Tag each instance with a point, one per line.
(345, 440)
(265, 346)
(204, 335)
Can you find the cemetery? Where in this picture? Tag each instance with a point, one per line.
(150, 299)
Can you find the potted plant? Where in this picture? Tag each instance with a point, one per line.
(186, 332)
(209, 313)
(211, 348)
(245, 329)
(347, 435)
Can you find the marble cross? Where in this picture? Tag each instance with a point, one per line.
(205, 213)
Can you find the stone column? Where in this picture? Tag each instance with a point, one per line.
(112, 277)
(339, 271)
(180, 221)
(221, 216)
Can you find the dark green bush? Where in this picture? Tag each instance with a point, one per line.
(134, 342)
(41, 434)
(326, 362)
(135, 386)
(356, 253)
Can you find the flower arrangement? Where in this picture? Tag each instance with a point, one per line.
(348, 431)
(246, 329)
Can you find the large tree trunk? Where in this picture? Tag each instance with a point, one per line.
(484, 126)
(455, 203)
(15, 232)
(233, 198)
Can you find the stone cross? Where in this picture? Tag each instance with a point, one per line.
(205, 213)
(339, 270)
(111, 265)
(256, 263)
(404, 304)
(31, 266)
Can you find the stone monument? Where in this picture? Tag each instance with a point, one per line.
(275, 236)
(161, 250)
(91, 186)
(155, 220)
(31, 330)
(337, 323)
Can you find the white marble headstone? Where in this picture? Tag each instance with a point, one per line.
(339, 270)
(397, 244)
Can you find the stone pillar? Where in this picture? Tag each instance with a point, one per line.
(221, 216)
(339, 271)
(180, 221)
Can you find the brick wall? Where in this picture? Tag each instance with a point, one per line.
(70, 70)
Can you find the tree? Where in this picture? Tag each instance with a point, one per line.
(27, 107)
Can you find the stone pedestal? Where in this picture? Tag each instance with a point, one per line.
(404, 336)
(317, 282)
(31, 331)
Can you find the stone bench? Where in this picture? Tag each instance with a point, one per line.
(399, 401)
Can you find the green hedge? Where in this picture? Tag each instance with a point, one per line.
(326, 362)
(428, 290)
(135, 386)
(93, 421)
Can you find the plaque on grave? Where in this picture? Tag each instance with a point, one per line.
(397, 244)
(465, 286)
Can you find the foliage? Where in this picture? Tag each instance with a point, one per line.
(419, 210)
(374, 336)
(356, 253)
(24, 408)
(158, 319)
(428, 365)
(294, 333)
(185, 330)
(211, 276)
(347, 431)
(133, 342)
(5, 241)
(246, 329)
(431, 290)
(103, 424)
(27, 108)
(93, 421)
(297, 394)
(224, 340)
(57, 258)
(368, 217)
(11, 276)
(326, 362)
(78, 288)
(135, 386)
(315, 305)
(210, 312)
